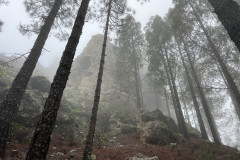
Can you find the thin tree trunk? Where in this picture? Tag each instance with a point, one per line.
(172, 93)
(140, 87)
(156, 98)
(12, 101)
(182, 124)
(89, 142)
(195, 102)
(40, 142)
(228, 12)
(167, 104)
(137, 86)
(232, 85)
(205, 104)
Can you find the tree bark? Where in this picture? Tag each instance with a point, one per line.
(182, 125)
(194, 98)
(228, 12)
(40, 142)
(12, 101)
(89, 142)
(232, 85)
(205, 104)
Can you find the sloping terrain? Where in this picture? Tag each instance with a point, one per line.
(129, 145)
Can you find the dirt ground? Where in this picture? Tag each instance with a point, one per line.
(129, 145)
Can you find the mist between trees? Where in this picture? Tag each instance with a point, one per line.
(186, 64)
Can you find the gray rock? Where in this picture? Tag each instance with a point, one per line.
(140, 156)
(59, 154)
(156, 132)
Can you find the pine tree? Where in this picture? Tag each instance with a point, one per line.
(38, 10)
(234, 89)
(40, 142)
(205, 103)
(129, 44)
(193, 94)
(158, 37)
(115, 9)
(228, 12)
(10, 105)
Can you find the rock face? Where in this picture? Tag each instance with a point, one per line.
(85, 69)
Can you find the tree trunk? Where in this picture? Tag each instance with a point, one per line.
(182, 125)
(228, 12)
(195, 102)
(205, 104)
(172, 93)
(89, 141)
(167, 105)
(12, 101)
(156, 98)
(232, 85)
(40, 142)
(137, 86)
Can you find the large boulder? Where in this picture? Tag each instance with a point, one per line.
(155, 128)
(156, 132)
(157, 115)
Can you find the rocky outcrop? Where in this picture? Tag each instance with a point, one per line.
(157, 115)
(155, 128)
(85, 69)
(156, 132)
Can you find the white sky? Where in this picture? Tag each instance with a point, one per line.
(11, 41)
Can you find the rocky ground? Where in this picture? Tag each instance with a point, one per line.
(129, 147)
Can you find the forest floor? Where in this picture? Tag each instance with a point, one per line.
(129, 145)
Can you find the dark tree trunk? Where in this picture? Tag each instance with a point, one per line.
(231, 84)
(89, 141)
(40, 142)
(167, 104)
(12, 101)
(205, 104)
(182, 125)
(228, 12)
(195, 102)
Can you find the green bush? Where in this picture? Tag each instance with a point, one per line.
(100, 139)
